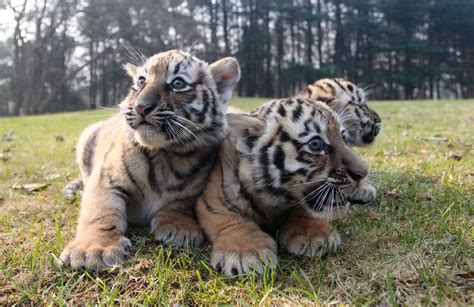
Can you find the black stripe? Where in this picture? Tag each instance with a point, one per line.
(356, 111)
(226, 202)
(251, 201)
(331, 87)
(152, 180)
(121, 191)
(188, 213)
(297, 112)
(280, 192)
(317, 127)
(279, 158)
(106, 155)
(340, 85)
(320, 87)
(326, 100)
(358, 96)
(89, 150)
(284, 137)
(209, 207)
(131, 177)
(227, 227)
(205, 159)
(111, 228)
(118, 214)
(281, 110)
(177, 67)
(264, 163)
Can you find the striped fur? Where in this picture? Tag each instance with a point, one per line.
(280, 170)
(147, 164)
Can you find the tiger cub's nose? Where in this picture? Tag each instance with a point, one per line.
(144, 110)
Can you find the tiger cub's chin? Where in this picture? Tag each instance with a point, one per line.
(282, 170)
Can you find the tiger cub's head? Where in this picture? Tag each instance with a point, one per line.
(177, 101)
(360, 124)
(293, 154)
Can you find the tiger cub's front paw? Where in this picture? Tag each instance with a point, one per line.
(316, 239)
(177, 235)
(237, 254)
(363, 193)
(95, 253)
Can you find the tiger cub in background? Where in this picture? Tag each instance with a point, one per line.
(281, 170)
(148, 164)
(360, 124)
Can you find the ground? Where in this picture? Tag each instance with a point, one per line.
(414, 245)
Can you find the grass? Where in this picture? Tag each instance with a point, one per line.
(414, 245)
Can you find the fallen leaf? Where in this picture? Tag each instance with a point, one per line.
(43, 197)
(9, 136)
(427, 195)
(469, 274)
(392, 153)
(31, 187)
(52, 176)
(436, 138)
(395, 194)
(7, 241)
(5, 156)
(456, 155)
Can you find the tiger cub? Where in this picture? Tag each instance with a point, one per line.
(281, 170)
(147, 164)
(360, 124)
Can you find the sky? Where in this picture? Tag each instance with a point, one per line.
(7, 17)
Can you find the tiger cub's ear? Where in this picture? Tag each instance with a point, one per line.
(226, 74)
(130, 69)
(246, 130)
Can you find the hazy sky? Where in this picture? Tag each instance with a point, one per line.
(6, 22)
(7, 17)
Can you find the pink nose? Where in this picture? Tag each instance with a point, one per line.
(144, 109)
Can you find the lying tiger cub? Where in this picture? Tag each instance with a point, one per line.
(148, 164)
(279, 171)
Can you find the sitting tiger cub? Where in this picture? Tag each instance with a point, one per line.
(281, 170)
(148, 164)
(360, 124)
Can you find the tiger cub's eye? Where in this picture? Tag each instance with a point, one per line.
(141, 80)
(316, 144)
(178, 84)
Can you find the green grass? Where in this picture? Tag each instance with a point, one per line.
(413, 246)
